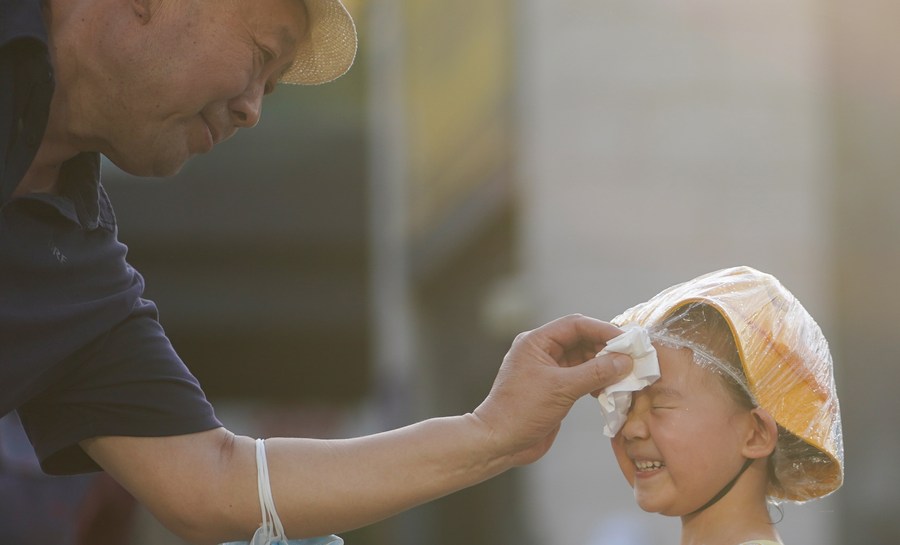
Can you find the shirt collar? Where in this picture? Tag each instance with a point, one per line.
(79, 181)
(81, 197)
(22, 19)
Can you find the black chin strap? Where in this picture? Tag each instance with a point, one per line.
(727, 488)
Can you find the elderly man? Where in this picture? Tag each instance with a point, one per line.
(83, 359)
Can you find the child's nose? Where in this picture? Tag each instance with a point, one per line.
(635, 426)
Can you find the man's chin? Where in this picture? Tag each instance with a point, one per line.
(150, 169)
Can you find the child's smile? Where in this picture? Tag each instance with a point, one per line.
(678, 428)
(647, 466)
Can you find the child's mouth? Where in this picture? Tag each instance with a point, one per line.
(648, 465)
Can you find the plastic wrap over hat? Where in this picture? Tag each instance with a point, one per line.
(787, 365)
(329, 47)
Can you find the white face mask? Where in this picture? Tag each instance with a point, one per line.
(272, 531)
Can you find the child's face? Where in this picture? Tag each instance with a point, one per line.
(681, 442)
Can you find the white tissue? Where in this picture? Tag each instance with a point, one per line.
(615, 400)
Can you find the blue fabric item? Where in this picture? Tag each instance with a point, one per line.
(325, 540)
(82, 353)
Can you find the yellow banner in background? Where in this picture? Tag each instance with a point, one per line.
(459, 71)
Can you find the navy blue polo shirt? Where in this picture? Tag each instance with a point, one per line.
(82, 354)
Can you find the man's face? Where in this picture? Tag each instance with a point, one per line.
(198, 74)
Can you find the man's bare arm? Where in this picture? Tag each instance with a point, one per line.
(203, 486)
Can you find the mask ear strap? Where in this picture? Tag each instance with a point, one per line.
(271, 524)
(726, 489)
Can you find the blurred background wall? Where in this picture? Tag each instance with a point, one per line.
(658, 141)
(364, 257)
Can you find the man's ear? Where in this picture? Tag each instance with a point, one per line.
(143, 9)
(762, 434)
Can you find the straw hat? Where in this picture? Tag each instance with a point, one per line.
(330, 47)
(787, 365)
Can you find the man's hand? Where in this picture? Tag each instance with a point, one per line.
(543, 374)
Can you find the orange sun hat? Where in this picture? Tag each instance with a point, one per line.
(787, 365)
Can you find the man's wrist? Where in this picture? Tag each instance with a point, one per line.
(486, 457)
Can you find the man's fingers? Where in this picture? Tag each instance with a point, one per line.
(596, 374)
(563, 334)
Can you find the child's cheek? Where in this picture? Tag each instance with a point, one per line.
(625, 464)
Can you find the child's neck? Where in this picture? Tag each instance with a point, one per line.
(730, 521)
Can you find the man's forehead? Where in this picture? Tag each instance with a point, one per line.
(289, 31)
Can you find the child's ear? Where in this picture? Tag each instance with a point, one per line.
(762, 435)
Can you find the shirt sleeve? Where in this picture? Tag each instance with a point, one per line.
(129, 382)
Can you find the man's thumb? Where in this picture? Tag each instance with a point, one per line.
(596, 374)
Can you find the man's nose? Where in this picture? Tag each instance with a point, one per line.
(247, 108)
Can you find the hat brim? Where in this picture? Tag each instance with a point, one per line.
(329, 48)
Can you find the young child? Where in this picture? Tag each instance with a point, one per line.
(744, 409)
